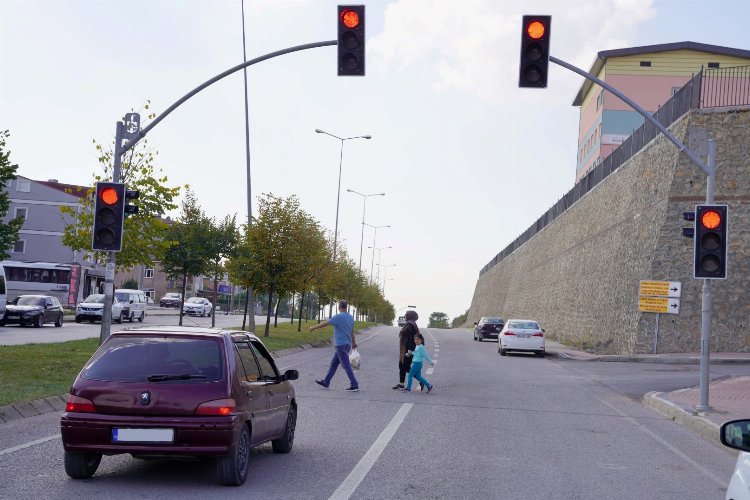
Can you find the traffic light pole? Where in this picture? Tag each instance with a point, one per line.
(109, 273)
(709, 170)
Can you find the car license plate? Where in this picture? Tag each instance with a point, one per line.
(524, 335)
(13, 316)
(142, 435)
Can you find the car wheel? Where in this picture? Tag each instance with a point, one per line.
(78, 319)
(143, 316)
(502, 351)
(285, 442)
(81, 465)
(2, 323)
(39, 321)
(131, 317)
(232, 469)
(540, 354)
(209, 314)
(59, 321)
(120, 318)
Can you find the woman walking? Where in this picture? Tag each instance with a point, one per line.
(406, 344)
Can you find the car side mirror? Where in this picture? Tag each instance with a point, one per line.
(290, 375)
(543, 330)
(476, 323)
(736, 434)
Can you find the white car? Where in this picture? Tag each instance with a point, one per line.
(522, 335)
(198, 306)
(92, 309)
(736, 434)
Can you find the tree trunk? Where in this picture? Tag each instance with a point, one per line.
(319, 312)
(182, 302)
(268, 312)
(276, 314)
(291, 315)
(247, 301)
(301, 306)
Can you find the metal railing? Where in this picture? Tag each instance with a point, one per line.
(709, 88)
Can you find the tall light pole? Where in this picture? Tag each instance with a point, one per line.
(374, 237)
(385, 272)
(364, 206)
(338, 192)
(379, 249)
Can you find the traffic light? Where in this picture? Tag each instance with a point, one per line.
(131, 194)
(109, 211)
(711, 241)
(688, 232)
(534, 51)
(351, 41)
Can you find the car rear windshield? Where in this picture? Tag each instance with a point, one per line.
(494, 320)
(524, 325)
(135, 359)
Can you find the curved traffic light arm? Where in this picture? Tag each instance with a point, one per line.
(142, 133)
(683, 148)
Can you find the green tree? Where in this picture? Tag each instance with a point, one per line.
(190, 252)
(460, 320)
(224, 236)
(438, 320)
(9, 230)
(143, 241)
(130, 284)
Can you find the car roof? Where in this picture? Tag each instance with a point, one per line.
(197, 331)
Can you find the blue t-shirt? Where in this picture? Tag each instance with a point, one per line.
(343, 324)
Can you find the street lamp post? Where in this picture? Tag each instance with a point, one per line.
(338, 192)
(364, 206)
(374, 237)
(379, 249)
(385, 273)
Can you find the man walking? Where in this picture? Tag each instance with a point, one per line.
(343, 341)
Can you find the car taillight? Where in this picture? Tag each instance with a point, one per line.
(78, 404)
(538, 334)
(216, 407)
(510, 333)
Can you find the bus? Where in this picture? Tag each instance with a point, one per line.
(36, 278)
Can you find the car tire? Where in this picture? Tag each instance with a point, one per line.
(209, 314)
(2, 323)
(81, 465)
(39, 321)
(286, 441)
(502, 351)
(232, 469)
(78, 319)
(540, 354)
(59, 321)
(131, 318)
(143, 316)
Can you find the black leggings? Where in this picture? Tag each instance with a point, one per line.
(403, 368)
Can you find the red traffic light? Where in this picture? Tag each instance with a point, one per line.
(535, 30)
(350, 18)
(109, 195)
(711, 219)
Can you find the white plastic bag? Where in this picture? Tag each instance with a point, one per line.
(354, 359)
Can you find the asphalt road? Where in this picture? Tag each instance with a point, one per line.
(494, 427)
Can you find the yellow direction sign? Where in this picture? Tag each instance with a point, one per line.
(661, 288)
(659, 305)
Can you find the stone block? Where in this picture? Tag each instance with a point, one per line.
(8, 413)
(26, 409)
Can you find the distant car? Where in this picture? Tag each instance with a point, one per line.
(736, 434)
(401, 321)
(521, 335)
(488, 328)
(182, 393)
(198, 306)
(134, 303)
(171, 299)
(92, 308)
(33, 310)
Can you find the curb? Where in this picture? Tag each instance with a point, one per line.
(687, 418)
(612, 358)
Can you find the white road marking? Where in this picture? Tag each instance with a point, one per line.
(345, 490)
(27, 445)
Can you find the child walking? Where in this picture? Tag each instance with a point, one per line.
(419, 354)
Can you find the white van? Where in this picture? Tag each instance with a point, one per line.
(134, 302)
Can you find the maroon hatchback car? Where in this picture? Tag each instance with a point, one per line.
(178, 392)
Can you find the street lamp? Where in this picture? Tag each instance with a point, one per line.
(364, 205)
(385, 273)
(338, 191)
(374, 237)
(377, 280)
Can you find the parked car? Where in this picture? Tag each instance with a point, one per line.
(92, 309)
(33, 310)
(134, 303)
(171, 299)
(401, 321)
(488, 328)
(198, 306)
(521, 335)
(178, 392)
(736, 434)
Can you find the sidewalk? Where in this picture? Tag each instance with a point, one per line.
(729, 398)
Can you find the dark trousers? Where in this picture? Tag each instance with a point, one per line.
(403, 368)
(341, 357)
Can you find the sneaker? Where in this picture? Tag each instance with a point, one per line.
(322, 384)
(398, 386)
(405, 389)
(351, 389)
(429, 389)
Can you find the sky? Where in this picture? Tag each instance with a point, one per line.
(467, 159)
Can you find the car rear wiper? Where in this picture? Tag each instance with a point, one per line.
(163, 377)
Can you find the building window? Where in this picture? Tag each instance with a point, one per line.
(150, 293)
(23, 185)
(646, 64)
(19, 246)
(149, 272)
(713, 65)
(22, 212)
(600, 100)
